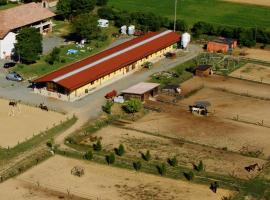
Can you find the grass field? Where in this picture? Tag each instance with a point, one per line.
(202, 10)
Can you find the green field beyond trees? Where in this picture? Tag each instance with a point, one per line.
(192, 11)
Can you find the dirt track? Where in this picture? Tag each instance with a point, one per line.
(255, 2)
(104, 182)
(26, 121)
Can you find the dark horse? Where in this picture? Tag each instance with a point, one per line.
(43, 107)
(12, 103)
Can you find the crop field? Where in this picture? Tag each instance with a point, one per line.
(213, 11)
(21, 122)
(52, 179)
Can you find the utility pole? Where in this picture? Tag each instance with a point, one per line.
(175, 9)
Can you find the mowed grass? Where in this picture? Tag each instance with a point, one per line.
(214, 11)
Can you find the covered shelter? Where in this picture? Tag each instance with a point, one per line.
(142, 91)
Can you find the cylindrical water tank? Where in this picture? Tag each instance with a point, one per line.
(131, 30)
(185, 40)
(124, 29)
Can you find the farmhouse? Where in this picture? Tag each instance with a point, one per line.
(13, 19)
(142, 91)
(81, 78)
(203, 70)
(222, 45)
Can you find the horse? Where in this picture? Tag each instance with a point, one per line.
(43, 107)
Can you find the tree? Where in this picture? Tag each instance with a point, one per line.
(133, 106)
(106, 13)
(107, 107)
(97, 146)
(29, 45)
(180, 25)
(102, 2)
(88, 155)
(120, 150)
(137, 165)
(85, 27)
(3, 2)
(82, 6)
(54, 56)
(110, 159)
(146, 156)
(63, 8)
(247, 38)
(188, 175)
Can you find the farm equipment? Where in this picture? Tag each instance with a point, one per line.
(77, 171)
(111, 94)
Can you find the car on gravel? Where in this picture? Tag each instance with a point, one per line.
(13, 76)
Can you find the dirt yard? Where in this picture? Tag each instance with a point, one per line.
(161, 149)
(102, 182)
(254, 72)
(255, 2)
(25, 122)
(258, 54)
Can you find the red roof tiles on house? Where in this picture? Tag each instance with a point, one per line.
(22, 15)
(102, 69)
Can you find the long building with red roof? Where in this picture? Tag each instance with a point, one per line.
(79, 79)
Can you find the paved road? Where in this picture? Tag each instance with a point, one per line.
(90, 106)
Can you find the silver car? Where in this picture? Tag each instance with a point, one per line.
(13, 76)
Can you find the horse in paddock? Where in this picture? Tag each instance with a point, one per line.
(253, 167)
(214, 186)
(43, 107)
(12, 103)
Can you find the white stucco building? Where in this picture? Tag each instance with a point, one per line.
(13, 19)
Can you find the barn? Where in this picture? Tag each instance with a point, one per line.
(81, 78)
(142, 91)
(222, 45)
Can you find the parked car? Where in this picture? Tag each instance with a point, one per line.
(13, 76)
(9, 64)
(111, 94)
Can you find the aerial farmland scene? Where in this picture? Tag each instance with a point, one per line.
(135, 99)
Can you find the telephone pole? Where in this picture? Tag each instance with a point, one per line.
(175, 10)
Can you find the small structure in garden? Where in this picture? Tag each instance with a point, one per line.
(142, 91)
(77, 171)
(203, 70)
(103, 23)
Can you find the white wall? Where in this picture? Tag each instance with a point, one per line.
(7, 44)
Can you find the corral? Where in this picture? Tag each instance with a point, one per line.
(100, 182)
(21, 122)
(254, 72)
(258, 54)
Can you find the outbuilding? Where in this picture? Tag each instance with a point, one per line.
(203, 70)
(221, 45)
(142, 91)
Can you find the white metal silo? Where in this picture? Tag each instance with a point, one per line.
(185, 39)
(131, 30)
(124, 29)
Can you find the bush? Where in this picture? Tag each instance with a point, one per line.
(97, 146)
(189, 175)
(132, 106)
(172, 162)
(3, 2)
(107, 107)
(146, 156)
(110, 159)
(102, 2)
(106, 13)
(199, 167)
(88, 155)
(137, 165)
(54, 56)
(120, 150)
(161, 169)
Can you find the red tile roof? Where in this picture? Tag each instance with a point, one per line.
(102, 69)
(22, 15)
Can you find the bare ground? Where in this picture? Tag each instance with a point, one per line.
(26, 121)
(255, 2)
(254, 72)
(103, 182)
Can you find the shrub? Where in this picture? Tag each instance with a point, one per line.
(120, 150)
(49, 144)
(173, 161)
(97, 146)
(132, 106)
(137, 165)
(146, 156)
(107, 107)
(110, 159)
(54, 56)
(88, 155)
(161, 169)
(199, 167)
(189, 175)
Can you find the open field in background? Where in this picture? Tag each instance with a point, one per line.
(102, 182)
(258, 54)
(254, 72)
(26, 121)
(256, 2)
(192, 11)
(162, 148)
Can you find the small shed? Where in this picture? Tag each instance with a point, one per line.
(203, 70)
(142, 91)
(222, 45)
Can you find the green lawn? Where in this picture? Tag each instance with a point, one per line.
(214, 11)
(9, 5)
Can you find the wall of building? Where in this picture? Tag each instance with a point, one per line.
(6, 45)
(217, 47)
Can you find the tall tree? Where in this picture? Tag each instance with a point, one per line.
(29, 45)
(63, 8)
(82, 6)
(102, 2)
(85, 26)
